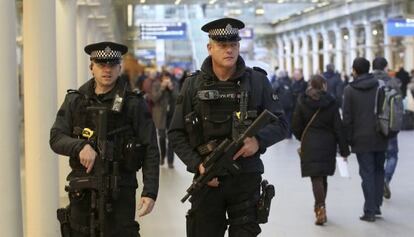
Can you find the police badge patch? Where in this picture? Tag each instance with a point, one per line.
(275, 97)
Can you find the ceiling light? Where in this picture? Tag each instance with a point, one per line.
(315, 1)
(212, 2)
(130, 12)
(177, 2)
(375, 32)
(346, 37)
(259, 11)
(142, 1)
(280, 1)
(308, 9)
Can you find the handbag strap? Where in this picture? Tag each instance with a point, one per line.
(309, 123)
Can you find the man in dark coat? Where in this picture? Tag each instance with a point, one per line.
(129, 126)
(368, 144)
(380, 66)
(299, 85)
(204, 114)
(282, 86)
(335, 84)
(404, 76)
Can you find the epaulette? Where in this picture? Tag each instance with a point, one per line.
(191, 74)
(259, 69)
(71, 91)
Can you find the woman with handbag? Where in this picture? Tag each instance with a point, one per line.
(318, 125)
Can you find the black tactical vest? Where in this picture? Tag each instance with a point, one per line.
(83, 118)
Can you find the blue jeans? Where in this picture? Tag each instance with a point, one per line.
(391, 158)
(371, 170)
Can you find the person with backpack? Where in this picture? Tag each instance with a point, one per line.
(380, 66)
(360, 123)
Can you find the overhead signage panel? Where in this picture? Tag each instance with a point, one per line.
(400, 27)
(163, 30)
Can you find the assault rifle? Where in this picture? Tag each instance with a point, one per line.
(221, 159)
(103, 182)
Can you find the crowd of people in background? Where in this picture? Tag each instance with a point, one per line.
(160, 89)
(313, 109)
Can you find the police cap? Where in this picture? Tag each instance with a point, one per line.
(106, 52)
(224, 29)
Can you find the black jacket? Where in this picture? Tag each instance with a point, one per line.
(335, 86)
(324, 133)
(298, 89)
(359, 115)
(63, 142)
(283, 88)
(260, 91)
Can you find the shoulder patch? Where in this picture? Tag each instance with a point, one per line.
(258, 69)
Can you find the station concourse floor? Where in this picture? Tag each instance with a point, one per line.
(292, 208)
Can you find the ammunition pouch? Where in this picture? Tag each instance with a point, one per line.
(265, 200)
(133, 154)
(241, 124)
(63, 218)
(193, 128)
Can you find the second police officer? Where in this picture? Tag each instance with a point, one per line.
(203, 118)
(129, 125)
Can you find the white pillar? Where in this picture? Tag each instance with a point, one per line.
(305, 55)
(388, 47)
(409, 53)
(352, 44)
(296, 59)
(315, 53)
(339, 54)
(81, 39)
(288, 48)
(280, 54)
(369, 54)
(326, 48)
(11, 207)
(39, 30)
(66, 66)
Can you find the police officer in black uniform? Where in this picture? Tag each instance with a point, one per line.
(203, 117)
(130, 131)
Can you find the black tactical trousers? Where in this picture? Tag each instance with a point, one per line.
(207, 216)
(120, 222)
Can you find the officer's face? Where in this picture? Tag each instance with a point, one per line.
(224, 54)
(105, 74)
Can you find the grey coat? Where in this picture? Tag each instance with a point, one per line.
(164, 100)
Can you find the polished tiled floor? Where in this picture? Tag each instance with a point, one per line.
(292, 209)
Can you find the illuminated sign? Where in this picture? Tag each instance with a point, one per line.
(163, 30)
(400, 27)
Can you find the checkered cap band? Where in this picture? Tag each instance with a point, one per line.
(107, 53)
(228, 31)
